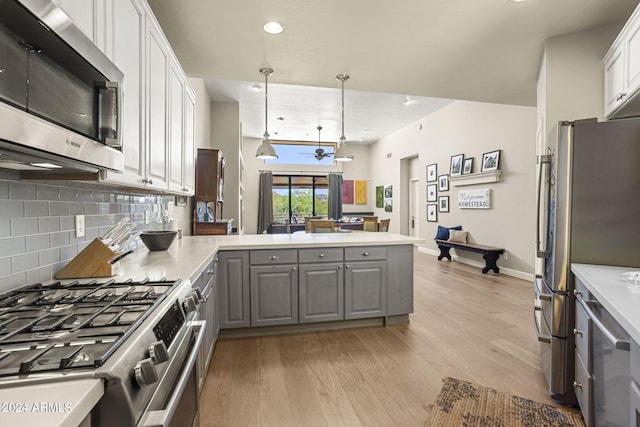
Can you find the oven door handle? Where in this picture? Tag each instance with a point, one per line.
(162, 417)
(619, 343)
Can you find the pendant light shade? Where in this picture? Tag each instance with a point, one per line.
(266, 150)
(343, 154)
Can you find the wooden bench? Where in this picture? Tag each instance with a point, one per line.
(489, 253)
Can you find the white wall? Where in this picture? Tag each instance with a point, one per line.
(225, 135)
(470, 128)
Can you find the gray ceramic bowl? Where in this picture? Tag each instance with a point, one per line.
(158, 240)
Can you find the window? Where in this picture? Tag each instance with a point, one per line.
(297, 196)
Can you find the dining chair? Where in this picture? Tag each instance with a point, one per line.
(384, 225)
(370, 223)
(306, 222)
(322, 226)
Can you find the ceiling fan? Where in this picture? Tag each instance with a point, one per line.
(320, 153)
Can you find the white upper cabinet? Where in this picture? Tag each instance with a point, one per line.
(176, 129)
(189, 170)
(127, 36)
(622, 72)
(157, 67)
(157, 104)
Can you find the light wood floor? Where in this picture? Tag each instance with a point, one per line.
(465, 325)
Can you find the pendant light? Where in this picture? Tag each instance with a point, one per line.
(342, 153)
(266, 150)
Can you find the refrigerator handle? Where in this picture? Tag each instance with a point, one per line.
(542, 160)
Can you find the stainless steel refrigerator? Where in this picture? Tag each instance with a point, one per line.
(588, 212)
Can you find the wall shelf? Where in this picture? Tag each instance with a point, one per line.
(475, 178)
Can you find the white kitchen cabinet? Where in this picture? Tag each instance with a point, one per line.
(189, 156)
(127, 35)
(84, 14)
(176, 130)
(622, 71)
(157, 104)
(157, 77)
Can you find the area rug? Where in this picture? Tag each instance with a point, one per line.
(461, 403)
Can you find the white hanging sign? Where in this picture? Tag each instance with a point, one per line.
(474, 199)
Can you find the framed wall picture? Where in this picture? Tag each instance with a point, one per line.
(431, 193)
(468, 166)
(456, 165)
(380, 196)
(443, 183)
(432, 213)
(491, 161)
(443, 203)
(432, 172)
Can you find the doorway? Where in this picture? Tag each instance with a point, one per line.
(414, 207)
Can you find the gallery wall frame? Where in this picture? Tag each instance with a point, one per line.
(443, 183)
(432, 192)
(443, 203)
(491, 161)
(432, 213)
(456, 165)
(432, 172)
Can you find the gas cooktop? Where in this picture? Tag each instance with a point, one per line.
(73, 325)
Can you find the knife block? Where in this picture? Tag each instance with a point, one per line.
(92, 261)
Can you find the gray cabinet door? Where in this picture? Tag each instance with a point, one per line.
(365, 289)
(233, 289)
(274, 295)
(400, 280)
(321, 292)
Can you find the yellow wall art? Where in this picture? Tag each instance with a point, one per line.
(361, 192)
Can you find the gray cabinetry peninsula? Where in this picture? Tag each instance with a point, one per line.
(292, 287)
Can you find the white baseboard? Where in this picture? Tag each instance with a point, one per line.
(503, 270)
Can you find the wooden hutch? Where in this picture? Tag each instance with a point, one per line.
(209, 197)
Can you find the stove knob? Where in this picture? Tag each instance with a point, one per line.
(197, 294)
(158, 352)
(189, 304)
(145, 373)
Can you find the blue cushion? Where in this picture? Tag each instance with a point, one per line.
(443, 232)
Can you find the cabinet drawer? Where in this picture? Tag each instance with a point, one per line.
(582, 333)
(365, 253)
(583, 386)
(268, 256)
(320, 255)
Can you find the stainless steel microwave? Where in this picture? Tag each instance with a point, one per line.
(59, 93)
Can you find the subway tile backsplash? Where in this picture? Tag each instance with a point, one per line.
(37, 223)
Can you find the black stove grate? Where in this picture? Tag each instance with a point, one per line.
(73, 325)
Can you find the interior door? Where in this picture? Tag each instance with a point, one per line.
(414, 207)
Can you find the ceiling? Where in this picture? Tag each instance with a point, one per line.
(431, 51)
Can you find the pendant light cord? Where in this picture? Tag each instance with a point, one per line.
(266, 72)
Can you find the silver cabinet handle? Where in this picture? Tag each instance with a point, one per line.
(320, 255)
(577, 385)
(366, 254)
(294, 268)
(577, 293)
(348, 266)
(577, 332)
(211, 272)
(620, 96)
(340, 267)
(274, 257)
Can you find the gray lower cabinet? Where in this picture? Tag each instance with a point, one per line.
(274, 295)
(365, 289)
(321, 292)
(233, 289)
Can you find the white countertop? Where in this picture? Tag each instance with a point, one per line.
(58, 404)
(188, 256)
(619, 297)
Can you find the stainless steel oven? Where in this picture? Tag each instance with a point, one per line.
(176, 401)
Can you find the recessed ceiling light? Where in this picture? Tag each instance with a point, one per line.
(517, 1)
(366, 130)
(273, 27)
(256, 87)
